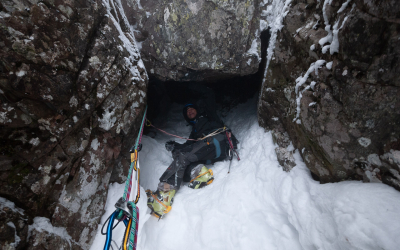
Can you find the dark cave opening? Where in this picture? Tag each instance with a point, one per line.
(228, 92)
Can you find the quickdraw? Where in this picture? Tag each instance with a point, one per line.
(126, 210)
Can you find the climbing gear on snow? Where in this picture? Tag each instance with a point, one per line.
(231, 149)
(160, 202)
(126, 210)
(204, 178)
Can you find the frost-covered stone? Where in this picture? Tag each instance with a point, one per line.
(344, 114)
(285, 158)
(282, 139)
(66, 66)
(13, 225)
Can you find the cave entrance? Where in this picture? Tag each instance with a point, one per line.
(228, 92)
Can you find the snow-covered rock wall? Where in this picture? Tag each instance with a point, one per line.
(72, 95)
(333, 85)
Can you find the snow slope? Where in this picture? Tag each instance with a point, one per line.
(259, 206)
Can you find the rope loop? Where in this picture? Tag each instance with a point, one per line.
(218, 131)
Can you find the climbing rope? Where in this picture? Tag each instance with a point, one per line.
(126, 210)
(218, 131)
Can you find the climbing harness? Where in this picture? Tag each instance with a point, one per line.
(126, 210)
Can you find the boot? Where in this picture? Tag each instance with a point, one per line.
(160, 202)
(204, 178)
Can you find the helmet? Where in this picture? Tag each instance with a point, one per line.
(184, 111)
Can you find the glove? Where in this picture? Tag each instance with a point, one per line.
(170, 145)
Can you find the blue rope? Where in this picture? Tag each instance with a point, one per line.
(109, 231)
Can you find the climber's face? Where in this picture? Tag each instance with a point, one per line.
(191, 113)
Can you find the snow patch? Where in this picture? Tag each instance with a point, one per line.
(254, 50)
(58, 165)
(263, 25)
(312, 85)
(95, 144)
(11, 205)
(21, 73)
(73, 102)
(107, 121)
(374, 160)
(363, 141)
(301, 80)
(47, 97)
(17, 238)
(94, 61)
(249, 62)
(332, 36)
(42, 224)
(325, 48)
(270, 90)
(344, 5)
(329, 65)
(35, 141)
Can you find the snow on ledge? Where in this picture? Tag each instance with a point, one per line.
(17, 238)
(42, 224)
(11, 205)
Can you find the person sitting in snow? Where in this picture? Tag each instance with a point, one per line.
(209, 144)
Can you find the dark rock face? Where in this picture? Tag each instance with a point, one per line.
(13, 226)
(335, 89)
(72, 95)
(194, 40)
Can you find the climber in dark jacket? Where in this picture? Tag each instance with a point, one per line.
(208, 145)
